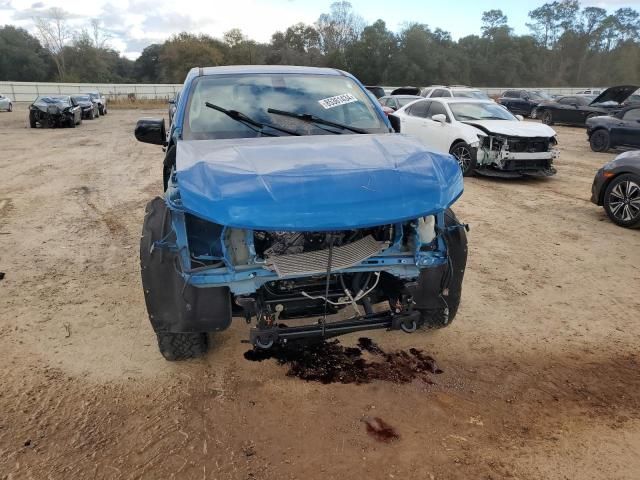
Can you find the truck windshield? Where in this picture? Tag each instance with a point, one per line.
(336, 99)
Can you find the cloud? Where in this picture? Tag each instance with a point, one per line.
(174, 23)
(5, 5)
(610, 3)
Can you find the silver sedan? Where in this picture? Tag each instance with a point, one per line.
(6, 103)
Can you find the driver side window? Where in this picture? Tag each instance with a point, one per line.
(437, 109)
(420, 109)
(632, 114)
(440, 93)
(568, 100)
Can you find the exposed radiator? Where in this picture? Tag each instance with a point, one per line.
(310, 263)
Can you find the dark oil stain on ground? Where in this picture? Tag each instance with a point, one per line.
(380, 430)
(330, 362)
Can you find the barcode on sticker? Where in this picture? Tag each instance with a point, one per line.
(337, 100)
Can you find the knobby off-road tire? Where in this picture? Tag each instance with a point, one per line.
(181, 315)
(182, 346)
(450, 301)
(157, 224)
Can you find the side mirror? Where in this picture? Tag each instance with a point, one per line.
(574, 105)
(440, 118)
(171, 102)
(395, 123)
(151, 130)
(520, 117)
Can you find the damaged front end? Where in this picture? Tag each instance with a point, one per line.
(275, 277)
(502, 155)
(358, 227)
(51, 115)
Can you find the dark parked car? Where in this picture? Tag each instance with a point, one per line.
(398, 101)
(54, 111)
(616, 187)
(406, 91)
(621, 129)
(89, 108)
(633, 100)
(378, 92)
(287, 197)
(576, 109)
(523, 102)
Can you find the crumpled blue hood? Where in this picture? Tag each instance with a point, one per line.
(312, 183)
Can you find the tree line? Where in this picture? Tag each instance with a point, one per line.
(567, 45)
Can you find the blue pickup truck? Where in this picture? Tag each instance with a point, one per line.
(287, 199)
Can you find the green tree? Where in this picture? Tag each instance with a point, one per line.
(147, 65)
(493, 21)
(22, 58)
(339, 28)
(369, 58)
(184, 51)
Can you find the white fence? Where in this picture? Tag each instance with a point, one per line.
(28, 91)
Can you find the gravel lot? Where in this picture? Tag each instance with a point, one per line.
(541, 368)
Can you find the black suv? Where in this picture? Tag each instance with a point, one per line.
(523, 102)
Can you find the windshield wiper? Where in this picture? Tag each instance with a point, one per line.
(250, 122)
(307, 117)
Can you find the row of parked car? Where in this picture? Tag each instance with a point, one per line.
(489, 138)
(66, 110)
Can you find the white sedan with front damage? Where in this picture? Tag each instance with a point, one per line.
(484, 136)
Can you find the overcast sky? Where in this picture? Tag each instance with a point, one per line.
(136, 23)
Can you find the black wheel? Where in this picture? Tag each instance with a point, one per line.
(32, 122)
(10, 107)
(180, 314)
(466, 157)
(600, 140)
(182, 346)
(547, 117)
(532, 113)
(72, 123)
(622, 200)
(92, 115)
(409, 327)
(264, 343)
(456, 241)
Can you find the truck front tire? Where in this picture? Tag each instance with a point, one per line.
(444, 300)
(181, 315)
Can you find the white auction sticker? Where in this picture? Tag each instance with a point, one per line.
(337, 100)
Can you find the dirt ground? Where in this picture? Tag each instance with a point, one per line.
(541, 367)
